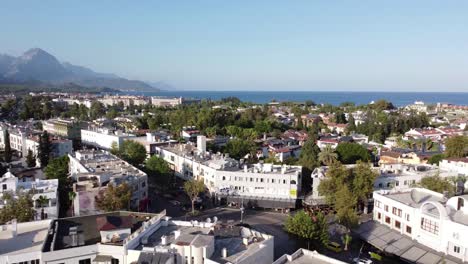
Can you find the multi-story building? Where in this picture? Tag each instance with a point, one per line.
(171, 102)
(458, 166)
(103, 137)
(11, 184)
(265, 185)
(427, 217)
(131, 237)
(126, 100)
(66, 128)
(93, 171)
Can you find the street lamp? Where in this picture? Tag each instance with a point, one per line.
(242, 209)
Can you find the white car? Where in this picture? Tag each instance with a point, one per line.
(362, 261)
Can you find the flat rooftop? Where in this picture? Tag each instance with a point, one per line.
(88, 232)
(415, 197)
(303, 256)
(29, 238)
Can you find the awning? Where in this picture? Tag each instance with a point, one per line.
(262, 202)
(102, 258)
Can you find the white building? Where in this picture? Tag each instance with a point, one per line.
(126, 100)
(171, 101)
(94, 170)
(131, 237)
(103, 137)
(457, 166)
(426, 217)
(11, 184)
(224, 176)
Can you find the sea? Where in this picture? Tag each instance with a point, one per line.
(334, 98)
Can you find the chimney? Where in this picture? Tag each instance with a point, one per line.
(14, 228)
(224, 252)
(164, 240)
(245, 168)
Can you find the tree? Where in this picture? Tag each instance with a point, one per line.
(308, 227)
(238, 148)
(327, 156)
(19, 208)
(363, 183)
(349, 153)
(435, 159)
(97, 110)
(42, 201)
(437, 184)
(456, 147)
(44, 148)
(114, 198)
(193, 188)
(8, 153)
(71, 198)
(133, 152)
(351, 124)
(58, 169)
(158, 169)
(30, 159)
(309, 157)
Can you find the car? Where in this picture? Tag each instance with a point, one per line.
(174, 202)
(362, 261)
(334, 246)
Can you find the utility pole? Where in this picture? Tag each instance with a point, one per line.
(242, 210)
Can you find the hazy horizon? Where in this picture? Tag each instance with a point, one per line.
(417, 46)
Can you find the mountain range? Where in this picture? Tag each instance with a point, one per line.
(39, 65)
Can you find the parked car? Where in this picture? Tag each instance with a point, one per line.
(362, 261)
(334, 246)
(174, 202)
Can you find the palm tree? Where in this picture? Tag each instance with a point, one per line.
(327, 156)
(71, 197)
(42, 200)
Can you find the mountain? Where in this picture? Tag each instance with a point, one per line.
(38, 65)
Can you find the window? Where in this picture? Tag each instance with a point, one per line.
(84, 261)
(430, 226)
(408, 229)
(284, 181)
(397, 224)
(456, 249)
(396, 211)
(4, 187)
(386, 208)
(172, 158)
(407, 217)
(272, 180)
(35, 261)
(114, 261)
(379, 216)
(224, 178)
(387, 220)
(143, 184)
(377, 204)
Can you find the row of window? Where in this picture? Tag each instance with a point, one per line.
(395, 211)
(397, 223)
(34, 261)
(261, 180)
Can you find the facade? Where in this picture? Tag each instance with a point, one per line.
(70, 129)
(226, 177)
(94, 170)
(458, 166)
(171, 102)
(11, 184)
(427, 217)
(131, 237)
(126, 100)
(103, 137)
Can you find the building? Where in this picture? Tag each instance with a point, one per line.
(153, 139)
(418, 106)
(103, 137)
(131, 237)
(263, 185)
(93, 171)
(66, 128)
(11, 184)
(427, 217)
(459, 166)
(126, 100)
(171, 102)
(189, 133)
(425, 133)
(302, 256)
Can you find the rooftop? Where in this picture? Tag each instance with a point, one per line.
(415, 197)
(303, 256)
(29, 238)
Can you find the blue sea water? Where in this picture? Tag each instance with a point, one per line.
(335, 98)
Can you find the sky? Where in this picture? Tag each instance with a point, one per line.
(419, 45)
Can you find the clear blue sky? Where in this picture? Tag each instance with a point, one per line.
(264, 45)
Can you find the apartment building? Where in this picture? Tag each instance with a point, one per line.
(103, 137)
(266, 185)
(427, 217)
(458, 166)
(94, 170)
(161, 101)
(126, 100)
(131, 237)
(67, 128)
(9, 183)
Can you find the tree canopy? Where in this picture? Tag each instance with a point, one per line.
(456, 147)
(115, 198)
(19, 208)
(350, 153)
(193, 188)
(131, 151)
(310, 228)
